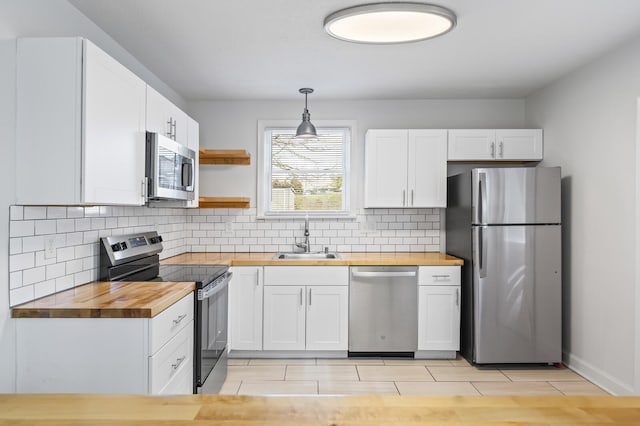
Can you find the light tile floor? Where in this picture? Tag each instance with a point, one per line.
(382, 376)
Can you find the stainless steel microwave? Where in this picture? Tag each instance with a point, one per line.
(170, 169)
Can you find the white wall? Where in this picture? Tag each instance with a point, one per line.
(7, 195)
(589, 121)
(233, 125)
(25, 18)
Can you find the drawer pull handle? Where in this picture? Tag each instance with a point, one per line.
(180, 318)
(441, 276)
(178, 362)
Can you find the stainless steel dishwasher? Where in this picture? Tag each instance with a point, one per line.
(383, 309)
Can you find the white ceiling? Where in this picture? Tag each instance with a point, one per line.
(267, 49)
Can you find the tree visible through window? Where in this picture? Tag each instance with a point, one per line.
(307, 175)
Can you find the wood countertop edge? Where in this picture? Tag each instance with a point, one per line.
(347, 259)
(43, 409)
(86, 309)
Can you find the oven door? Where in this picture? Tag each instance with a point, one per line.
(170, 169)
(211, 338)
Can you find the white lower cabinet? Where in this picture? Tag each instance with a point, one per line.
(108, 355)
(245, 308)
(312, 317)
(438, 311)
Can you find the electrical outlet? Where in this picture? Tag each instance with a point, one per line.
(49, 247)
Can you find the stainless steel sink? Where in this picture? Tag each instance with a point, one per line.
(302, 256)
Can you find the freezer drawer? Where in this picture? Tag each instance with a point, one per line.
(517, 294)
(383, 309)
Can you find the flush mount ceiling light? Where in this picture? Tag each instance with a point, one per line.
(306, 130)
(388, 23)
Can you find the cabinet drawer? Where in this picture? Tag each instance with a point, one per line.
(180, 384)
(306, 275)
(169, 322)
(174, 359)
(439, 275)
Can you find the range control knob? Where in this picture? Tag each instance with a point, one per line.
(156, 240)
(117, 247)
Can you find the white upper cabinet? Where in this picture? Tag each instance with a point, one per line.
(165, 118)
(405, 168)
(499, 145)
(80, 125)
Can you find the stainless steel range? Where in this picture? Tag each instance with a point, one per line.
(134, 257)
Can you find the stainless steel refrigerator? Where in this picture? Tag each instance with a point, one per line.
(505, 224)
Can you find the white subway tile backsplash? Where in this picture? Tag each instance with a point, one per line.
(16, 213)
(65, 225)
(73, 266)
(44, 227)
(15, 245)
(65, 253)
(56, 212)
(21, 228)
(55, 270)
(35, 213)
(83, 224)
(74, 238)
(21, 295)
(64, 283)
(15, 279)
(76, 231)
(44, 288)
(30, 244)
(74, 212)
(19, 262)
(33, 275)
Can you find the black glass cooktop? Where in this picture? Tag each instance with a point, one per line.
(200, 274)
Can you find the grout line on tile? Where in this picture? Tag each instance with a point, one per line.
(432, 376)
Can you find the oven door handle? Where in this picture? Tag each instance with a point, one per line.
(206, 292)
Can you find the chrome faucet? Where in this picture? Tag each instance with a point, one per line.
(306, 246)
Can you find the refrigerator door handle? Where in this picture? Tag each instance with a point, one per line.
(482, 196)
(482, 252)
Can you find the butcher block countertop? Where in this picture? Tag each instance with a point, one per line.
(87, 410)
(349, 259)
(147, 299)
(135, 299)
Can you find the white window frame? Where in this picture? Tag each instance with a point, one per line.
(264, 170)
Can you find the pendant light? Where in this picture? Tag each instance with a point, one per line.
(390, 22)
(306, 130)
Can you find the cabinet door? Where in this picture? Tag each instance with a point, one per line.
(193, 138)
(519, 144)
(385, 182)
(427, 168)
(165, 118)
(469, 144)
(284, 318)
(245, 308)
(114, 141)
(439, 318)
(327, 318)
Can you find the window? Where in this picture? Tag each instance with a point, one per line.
(305, 176)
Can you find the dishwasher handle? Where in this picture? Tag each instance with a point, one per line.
(382, 274)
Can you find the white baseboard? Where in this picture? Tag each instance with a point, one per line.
(597, 376)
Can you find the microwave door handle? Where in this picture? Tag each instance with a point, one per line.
(187, 174)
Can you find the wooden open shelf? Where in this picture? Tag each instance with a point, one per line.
(224, 202)
(224, 156)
